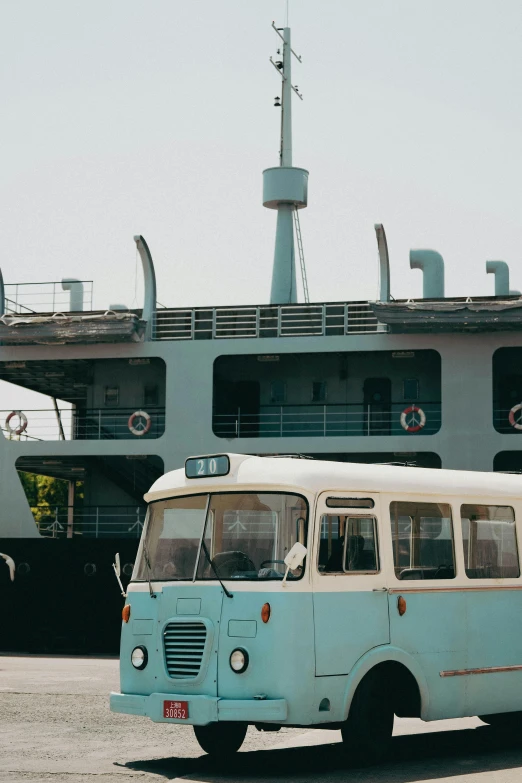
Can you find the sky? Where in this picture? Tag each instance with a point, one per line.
(157, 118)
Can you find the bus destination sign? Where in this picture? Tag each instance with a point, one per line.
(203, 467)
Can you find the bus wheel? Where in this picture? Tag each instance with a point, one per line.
(368, 729)
(221, 739)
(504, 720)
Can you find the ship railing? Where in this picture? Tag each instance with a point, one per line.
(20, 436)
(33, 298)
(83, 423)
(89, 521)
(507, 420)
(290, 421)
(337, 318)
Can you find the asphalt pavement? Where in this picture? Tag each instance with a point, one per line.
(55, 725)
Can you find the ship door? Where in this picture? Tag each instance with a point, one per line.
(349, 582)
(377, 406)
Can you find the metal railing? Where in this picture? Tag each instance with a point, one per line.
(83, 424)
(89, 521)
(32, 298)
(503, 423)
(339, 318)
(290, 421)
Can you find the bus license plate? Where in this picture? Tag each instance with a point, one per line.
(176, 709)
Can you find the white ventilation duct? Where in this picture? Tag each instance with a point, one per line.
(432, 265)
(76, 298)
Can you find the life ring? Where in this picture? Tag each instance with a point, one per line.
(512, 412)
(416, 423)
(21, 427)
(144, 428)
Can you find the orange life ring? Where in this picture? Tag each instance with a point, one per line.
(416, 423)
(21, 427)
(142, 430)
(512, 421)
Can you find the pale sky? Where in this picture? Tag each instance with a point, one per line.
(157, 117)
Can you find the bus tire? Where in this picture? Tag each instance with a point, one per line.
(368, 729)
(504, 720)
(221, 739)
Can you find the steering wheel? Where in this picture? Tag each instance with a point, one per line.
(265, 562)
(441, 568)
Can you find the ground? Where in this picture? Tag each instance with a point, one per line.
(55, 725)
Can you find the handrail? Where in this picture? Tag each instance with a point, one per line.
(298, 320)
(321, 420)
(83, 423)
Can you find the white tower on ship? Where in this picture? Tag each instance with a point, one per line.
(285, 187)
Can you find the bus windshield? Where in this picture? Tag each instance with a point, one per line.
(246, 535)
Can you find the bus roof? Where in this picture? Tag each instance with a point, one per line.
(321, 475)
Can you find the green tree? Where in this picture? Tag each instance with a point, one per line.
(46, 495)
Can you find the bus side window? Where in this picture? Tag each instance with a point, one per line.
(490, 542)
(422, 535)
(348, 544)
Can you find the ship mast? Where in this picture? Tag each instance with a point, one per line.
(285, 188)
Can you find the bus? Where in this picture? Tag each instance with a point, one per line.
(280, 591)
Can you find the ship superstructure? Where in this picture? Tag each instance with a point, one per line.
(132, 392)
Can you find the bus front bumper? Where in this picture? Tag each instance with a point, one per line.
(201, 709)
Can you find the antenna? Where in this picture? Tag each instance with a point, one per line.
(284, 69)
(285, 188)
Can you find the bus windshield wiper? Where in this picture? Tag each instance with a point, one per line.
(213, 567)
(147, 563)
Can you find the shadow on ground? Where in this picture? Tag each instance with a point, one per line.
(411, 758)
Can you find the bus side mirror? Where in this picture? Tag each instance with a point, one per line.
(10, 564)
(296, 556)
(117, 571)
(294, 559)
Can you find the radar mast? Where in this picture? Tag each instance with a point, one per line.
(285, 187)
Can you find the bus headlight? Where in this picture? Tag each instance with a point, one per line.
(238, 660)
(139, 657)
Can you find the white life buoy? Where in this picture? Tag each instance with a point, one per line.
(413, 418)
(512, 420)
(21, 426)
(142, 426)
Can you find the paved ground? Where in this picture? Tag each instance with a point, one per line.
(55, 726)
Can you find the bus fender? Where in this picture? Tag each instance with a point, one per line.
(384, 654)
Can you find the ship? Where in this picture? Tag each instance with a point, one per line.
(432, 382)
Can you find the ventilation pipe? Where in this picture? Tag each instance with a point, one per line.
(149, 279)
(501, 271)
(384, 263)
(76, 297)
(432, 265)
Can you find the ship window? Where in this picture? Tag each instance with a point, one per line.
(319, 389)
(112, 396)
(151, 395)
(490, 542)
(278, 392)
(411, 389)
(422, 535)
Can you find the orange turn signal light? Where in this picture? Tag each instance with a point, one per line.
(125, 613)
(265, 613)
(401, 605)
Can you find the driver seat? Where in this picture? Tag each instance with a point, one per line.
(229, 564)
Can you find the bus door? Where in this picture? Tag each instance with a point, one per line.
(349, 585)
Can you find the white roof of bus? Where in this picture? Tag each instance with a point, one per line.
(320, 475)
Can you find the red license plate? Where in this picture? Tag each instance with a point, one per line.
(176, 709)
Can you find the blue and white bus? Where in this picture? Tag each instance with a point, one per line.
(291, 592)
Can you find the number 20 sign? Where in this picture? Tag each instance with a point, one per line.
(203, 467)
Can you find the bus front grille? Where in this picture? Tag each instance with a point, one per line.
(184, 648)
